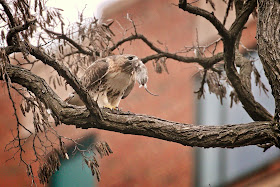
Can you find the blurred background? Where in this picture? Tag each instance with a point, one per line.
(143, 161)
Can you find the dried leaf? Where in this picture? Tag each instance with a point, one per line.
(158, 67)
(58, 80)
(51, 165)
(22, 109)
(211, 3)
(54, 85)
(233, 98)
(3, 36)
(163, 62)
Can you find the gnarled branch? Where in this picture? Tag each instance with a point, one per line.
(8, 13)
(186, 134)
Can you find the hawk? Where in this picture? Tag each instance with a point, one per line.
(110, 79)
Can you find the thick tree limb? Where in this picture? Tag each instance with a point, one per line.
(252, 107)
(268, 46)
(186, 134)
(256, 111)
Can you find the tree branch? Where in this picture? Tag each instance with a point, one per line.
(13, 31)
(60, 68)
(70, 79)
(256, 111)
(8, 13)
(207, 15)
(268, 47)
(72, 42)
(252, 107)
(206, 62)
(242, 18)
(128, 123)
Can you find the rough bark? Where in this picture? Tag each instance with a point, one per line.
(256, 111)
(128, 123)
(269, 46)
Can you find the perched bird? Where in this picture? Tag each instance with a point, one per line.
(110, 79)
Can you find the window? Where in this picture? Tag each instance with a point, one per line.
(217, 166)
(73, 172)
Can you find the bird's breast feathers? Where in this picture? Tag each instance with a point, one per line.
(119, 80)
(113, 88)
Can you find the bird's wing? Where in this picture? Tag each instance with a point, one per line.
(95, 72)
(128, 89)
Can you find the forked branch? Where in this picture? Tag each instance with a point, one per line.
(252, 107)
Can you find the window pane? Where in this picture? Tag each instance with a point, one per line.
(219, 166)
(73, 172)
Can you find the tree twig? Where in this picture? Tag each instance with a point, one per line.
(242, 18)
(72, 42)
(18, 29)
(207, 15)
(8, 13)
(206, 62)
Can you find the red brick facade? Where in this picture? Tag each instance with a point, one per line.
(142, 161)
(137, 160)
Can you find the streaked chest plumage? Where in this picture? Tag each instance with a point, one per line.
(117, 82)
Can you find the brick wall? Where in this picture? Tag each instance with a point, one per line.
(142, 161)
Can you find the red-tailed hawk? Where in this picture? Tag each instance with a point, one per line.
(110, 79)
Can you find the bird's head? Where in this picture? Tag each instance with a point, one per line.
(132, 64)
(129, 63)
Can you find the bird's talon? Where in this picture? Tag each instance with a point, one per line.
(111, 107)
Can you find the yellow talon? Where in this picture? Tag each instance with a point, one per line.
(110, 107)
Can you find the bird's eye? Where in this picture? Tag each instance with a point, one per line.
(130, 58)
